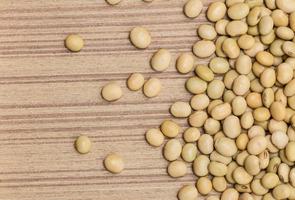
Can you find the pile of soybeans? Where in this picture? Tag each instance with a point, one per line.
(241, 139)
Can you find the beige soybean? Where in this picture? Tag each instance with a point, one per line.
(291, 133)
(204, 185)
(268, 97)
(200, 165)
(289, 48)
(230, 193)
(196, 85)
(239, 105)
(241, 85)
(279, 139)
(204, 48)
(264, 159)
(83, 144)
(273, 164)
(280, 18)
(243, 64)
(161, 60)
(204, 72)
(292, 21)
(291, 102)
(199, 101)
(265, 25)
(206, 32)
(289, 89)
(287, 6)
(140, 37)
(242, 141)
(219, 184)
(180, 109)
(219, 65)
(268, 77)
(188, 192)
(241, 176)
(74, 42)
(270, 146)
(265, 58)
(152, 87)
(261, 114)
(231, 126)
(257, 145)
(154, 137)
(220, 26)
(177, 169)
(205, 144)
(231, 48)
(292, 176)
(216, 11)
(135, 81)
(232, 2)
(281, 191)
(170, 128)
(247, 120)
(189, 152)
(254, 16)
(215, 89)
(285, 33)
(254, 100)
(236, 28)
(270, 180)
(197, 118)
(290, 151)
(280, 97)
(277, 110)
(185, 63)
(283, 172)
(211, 126)
(252, 165)
(191, 134)
(221, 111)
(114, 163)
(193, 8)
(172, 150)
(111, 92)
(217, 169)
(238, 11)
(246, 41)
(113, 2)
(212, 198)
(284, 73)
(225, 146)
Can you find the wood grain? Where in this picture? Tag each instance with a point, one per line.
(49, 96)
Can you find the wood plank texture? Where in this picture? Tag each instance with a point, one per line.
(48, 96)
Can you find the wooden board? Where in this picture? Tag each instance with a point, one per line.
(49, 96)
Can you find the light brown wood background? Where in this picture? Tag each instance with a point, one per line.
(49, 96)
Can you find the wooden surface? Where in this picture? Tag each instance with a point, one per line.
(49, 96)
